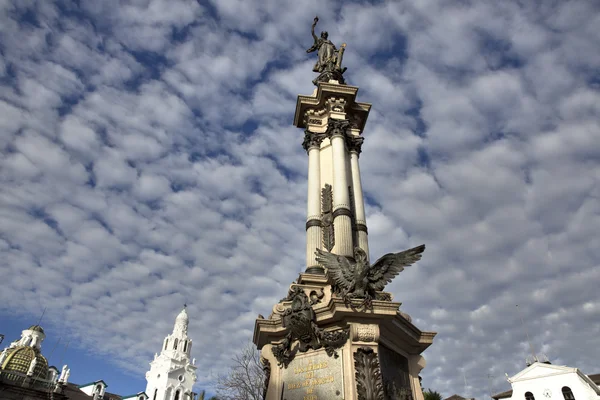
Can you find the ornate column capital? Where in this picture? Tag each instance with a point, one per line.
(312, 139)
(354, 143)
(337, 127)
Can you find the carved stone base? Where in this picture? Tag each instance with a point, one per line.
(318, 347)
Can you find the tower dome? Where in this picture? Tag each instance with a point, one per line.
(36, 328)
(181, 322)
(182, 317)
(18, 359)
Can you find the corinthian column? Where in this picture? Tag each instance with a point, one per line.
(342, 216)
(355, 144)
(312, 144)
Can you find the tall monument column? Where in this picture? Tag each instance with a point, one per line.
(333, 122)
(342, 216)
(312, 146)
(359, 204)
(337, 334)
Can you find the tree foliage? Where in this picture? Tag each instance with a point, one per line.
(432, 395)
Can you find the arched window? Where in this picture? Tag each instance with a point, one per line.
(155, 393)
(176, 395)
(529, 396)
(568, 393)
(98, 389)
(185, 346)
(166, 343)
(175, 345)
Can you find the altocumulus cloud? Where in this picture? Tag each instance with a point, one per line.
(148, 160)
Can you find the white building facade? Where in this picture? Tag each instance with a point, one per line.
(173, 373)
(543, 381)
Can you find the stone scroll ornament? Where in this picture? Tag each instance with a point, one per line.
(327, 217)
(300, 322)
(329, 62)
(369, 385)
(354, 278)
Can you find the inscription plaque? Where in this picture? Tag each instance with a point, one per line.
(314, 376)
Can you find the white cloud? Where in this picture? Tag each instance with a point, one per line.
(134, 178)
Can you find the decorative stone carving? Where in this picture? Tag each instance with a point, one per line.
(369, 385)
(354, 143)
(312, 139)
(327, 217)
(316, 296)
(352, 214)
(337, 127)
(336, 105)
(365, 333)
(300, 321)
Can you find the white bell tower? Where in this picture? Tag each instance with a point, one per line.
(172, 375)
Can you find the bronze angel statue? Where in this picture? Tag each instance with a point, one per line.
(354, 278)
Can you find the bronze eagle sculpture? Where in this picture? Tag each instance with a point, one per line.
(355, 278)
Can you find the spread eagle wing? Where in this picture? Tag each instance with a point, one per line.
(387, 267)
(340, 269)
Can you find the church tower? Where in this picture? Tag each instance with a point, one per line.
(172, 375)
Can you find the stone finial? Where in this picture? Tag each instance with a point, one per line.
(63, 373)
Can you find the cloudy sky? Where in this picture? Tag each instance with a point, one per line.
(148, 159)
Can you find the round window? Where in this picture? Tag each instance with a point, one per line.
(181, 378)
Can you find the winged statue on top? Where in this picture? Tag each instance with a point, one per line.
(355, 278)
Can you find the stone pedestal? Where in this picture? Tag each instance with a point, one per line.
(337, 352)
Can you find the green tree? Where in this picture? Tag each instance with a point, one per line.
(432, 395)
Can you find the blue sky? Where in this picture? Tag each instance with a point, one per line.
(149, 159)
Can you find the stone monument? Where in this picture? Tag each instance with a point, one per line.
(337, 334)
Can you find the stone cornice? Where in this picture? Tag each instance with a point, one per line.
(336, 313)
(344, 94)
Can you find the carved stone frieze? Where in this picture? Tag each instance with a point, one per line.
(327, 217)
(364, 333)
(369, 385)
(300, 321)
